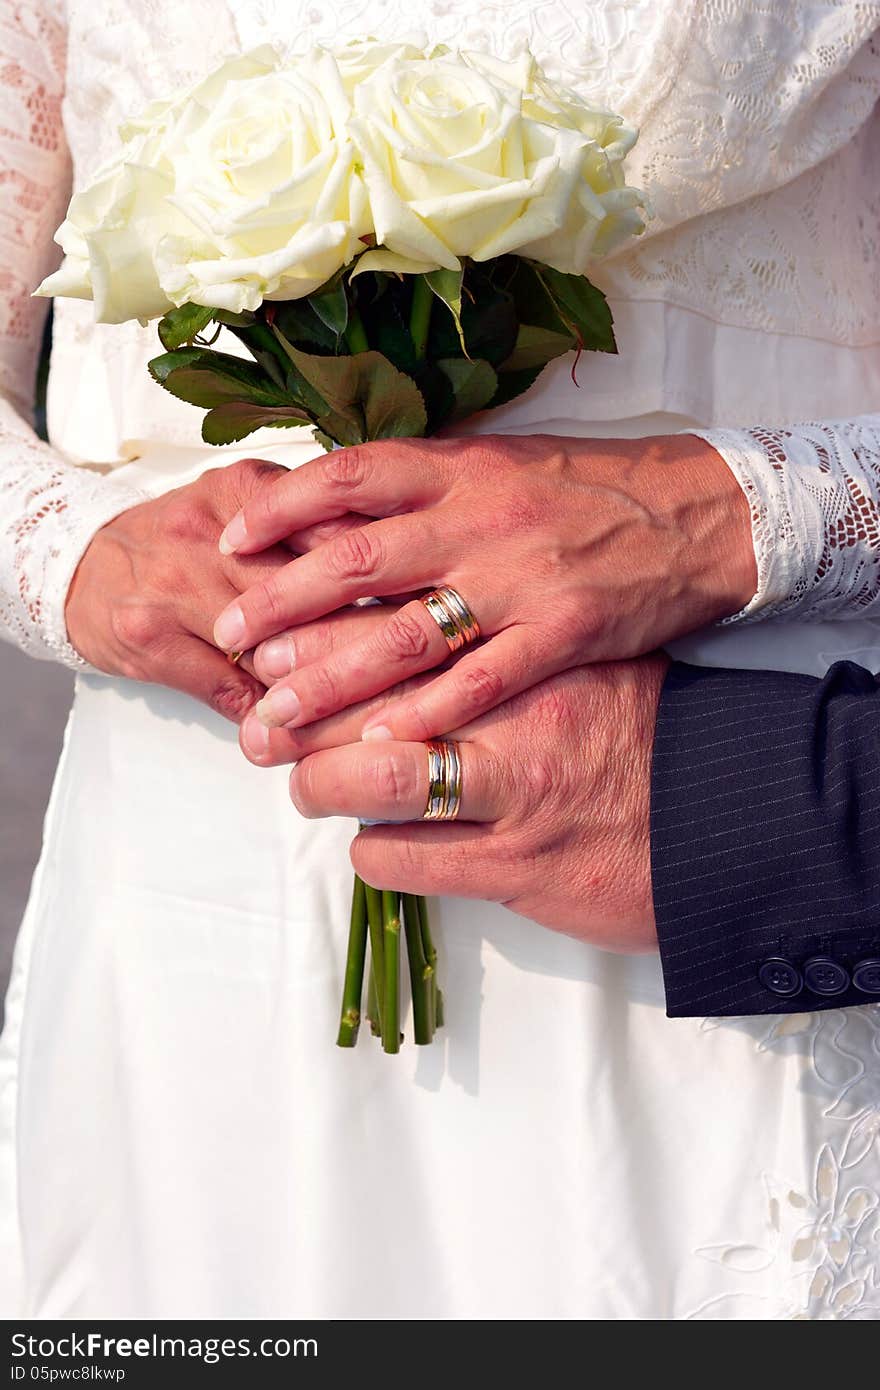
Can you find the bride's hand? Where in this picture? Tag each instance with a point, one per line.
(142, 600)
(566, 550)
(555, 809)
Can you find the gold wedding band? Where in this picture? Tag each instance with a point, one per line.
(444, 781)
(453, 617)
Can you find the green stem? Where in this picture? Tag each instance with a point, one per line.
(430, 953)
(350, 1018)
(373, 1004)
(420, 973)
(355, 333)
(377, 948)
(420, 314)
(391, 947)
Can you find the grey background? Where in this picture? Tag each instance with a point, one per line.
(34, 700)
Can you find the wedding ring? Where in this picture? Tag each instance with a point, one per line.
(453, 617)
(444, 781)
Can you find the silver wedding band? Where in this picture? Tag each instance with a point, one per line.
(444, 781)
(453, 617)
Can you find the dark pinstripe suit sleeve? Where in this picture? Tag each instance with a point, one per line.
(765, 838)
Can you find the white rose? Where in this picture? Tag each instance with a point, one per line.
(244, 189)
(604, 211)
(466, 155)
(360, 58)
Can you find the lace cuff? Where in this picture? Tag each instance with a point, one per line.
(50, 510)
(814, 494)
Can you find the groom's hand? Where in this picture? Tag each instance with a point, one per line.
(555, 816)
(146, 592)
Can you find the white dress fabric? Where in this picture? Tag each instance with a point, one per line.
(178, 1134)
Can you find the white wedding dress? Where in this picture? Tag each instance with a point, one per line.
(179, 1136)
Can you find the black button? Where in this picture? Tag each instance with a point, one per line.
(866, 976)
(780, 976)
(825, 976)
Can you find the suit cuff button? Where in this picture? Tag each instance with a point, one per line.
(825, 976)
(866, 976)
(780, 977)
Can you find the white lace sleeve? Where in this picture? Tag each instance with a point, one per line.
(814, 493)
(49, 509)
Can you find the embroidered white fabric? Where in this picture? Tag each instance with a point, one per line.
(813, 492)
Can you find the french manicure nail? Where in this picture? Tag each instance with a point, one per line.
(229, 628)
(233, 536)
(277, 708)
(278, 657)
(376, 731)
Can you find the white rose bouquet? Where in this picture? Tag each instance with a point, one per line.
(392, 239)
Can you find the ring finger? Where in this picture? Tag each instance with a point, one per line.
(389, 782)
(407, 643)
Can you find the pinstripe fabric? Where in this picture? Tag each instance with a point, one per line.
(765, 832)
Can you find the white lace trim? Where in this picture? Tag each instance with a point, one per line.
(49, 510)
(814, 494)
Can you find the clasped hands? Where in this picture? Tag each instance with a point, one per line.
(577, 556)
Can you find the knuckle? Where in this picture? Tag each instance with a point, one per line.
(185, 520)
(404, 638)
(232, 698)
(353, 555)
(417, 722)
(343, 469)
(479, 687)
(246, 472)
(395, 780)
(538, 777)
(136, 627)
(265, 603)
(324, 692)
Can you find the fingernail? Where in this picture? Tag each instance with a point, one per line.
(376, 731)
(278, 657)
(229, 628)
(277, 708)
(255, 737)
(233, 536)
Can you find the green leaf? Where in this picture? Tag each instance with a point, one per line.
(207, 379)
(160, 367)
(298, 321)
(229, 423)
(535, 347)
(331, 306)
(232, 320)
(263, 346)
(323, 439)
(513, 384)
(473, 383)
(363, 396)
(582, 307)
(437, 393)
(181, 325)
(446, 285)
(533, 301)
